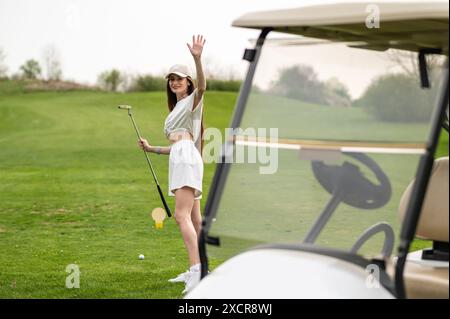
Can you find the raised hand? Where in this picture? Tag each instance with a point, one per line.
(197, 46)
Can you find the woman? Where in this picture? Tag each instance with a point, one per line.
(184, 129)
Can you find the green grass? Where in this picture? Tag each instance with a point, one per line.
(76, 189)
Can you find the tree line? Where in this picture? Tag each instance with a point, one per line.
(109, 80)
(392, 97)
(389, 97)
(32, 69)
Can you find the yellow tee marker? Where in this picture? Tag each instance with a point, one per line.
(158, 215)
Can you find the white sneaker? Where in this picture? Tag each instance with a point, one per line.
(181, 277)
(193, 278)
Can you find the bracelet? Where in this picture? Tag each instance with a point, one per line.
(158, 150)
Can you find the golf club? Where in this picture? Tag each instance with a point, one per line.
(128, 108)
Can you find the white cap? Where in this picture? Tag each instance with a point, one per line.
(180, 70)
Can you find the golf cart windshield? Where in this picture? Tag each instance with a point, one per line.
(331, 136)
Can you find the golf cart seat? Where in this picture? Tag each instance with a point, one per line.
(426, 271)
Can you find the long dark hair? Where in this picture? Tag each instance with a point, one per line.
(172, 101)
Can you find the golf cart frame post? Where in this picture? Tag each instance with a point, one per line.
(223, 167)
(415, 204)
(424, 169)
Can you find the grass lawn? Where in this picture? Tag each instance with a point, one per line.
(75, 189)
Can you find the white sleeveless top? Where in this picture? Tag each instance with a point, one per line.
(182, 118)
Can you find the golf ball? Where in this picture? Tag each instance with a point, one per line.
(141, 257)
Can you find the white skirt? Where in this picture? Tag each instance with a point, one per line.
(185, 167)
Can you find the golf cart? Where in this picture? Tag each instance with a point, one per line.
(358, 93)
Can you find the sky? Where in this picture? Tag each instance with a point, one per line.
(147, 37)
(135, 36)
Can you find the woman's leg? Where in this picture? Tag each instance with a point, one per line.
(184, 202)
(196, 217)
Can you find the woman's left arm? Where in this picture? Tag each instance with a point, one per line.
(196, 51)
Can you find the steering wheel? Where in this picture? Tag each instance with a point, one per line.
(353, 187)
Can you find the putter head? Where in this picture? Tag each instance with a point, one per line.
(125, 107)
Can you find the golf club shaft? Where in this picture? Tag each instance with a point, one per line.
(164, 201)
(145, 153)
(151, 168)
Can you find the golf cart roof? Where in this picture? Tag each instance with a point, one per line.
(427, 21)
